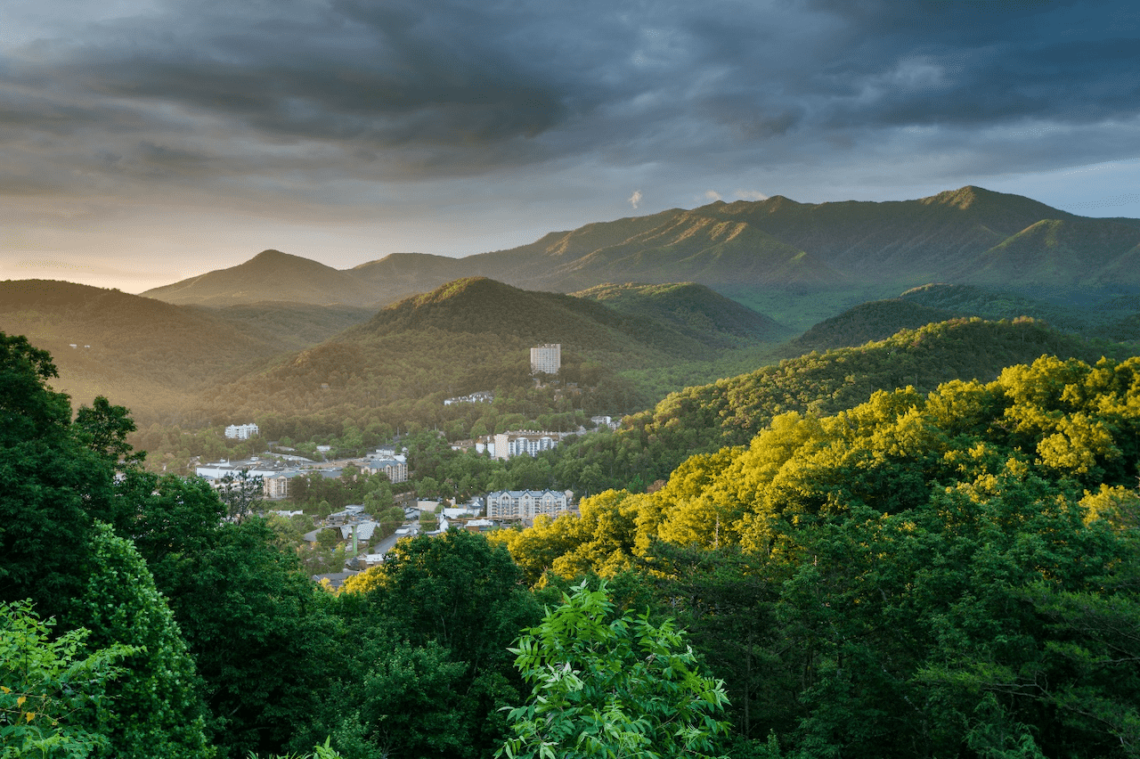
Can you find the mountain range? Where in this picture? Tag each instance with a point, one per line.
(967, 236)
(159, 358)
(838, 268)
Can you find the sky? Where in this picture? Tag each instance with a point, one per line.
(146, 141)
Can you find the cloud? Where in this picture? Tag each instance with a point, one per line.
(750, 195)
(712, 196)
(304, 107)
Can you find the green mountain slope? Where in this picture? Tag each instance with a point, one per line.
(695, 247)
(822, 257)
(145, 354)
(731, 411)
(269, 276)
(694, 309)
(401, 275)
(291, 326)
(970, 300)
(479, 305)
(1053, 252)
(898, 240)
(867, 322)
(799, 263)
(471, 334)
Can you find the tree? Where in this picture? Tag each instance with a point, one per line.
(50, 685)
(241, 493)
(158, 709)
(258, 630)
(56, 477)
(428, 640)
(611, 687)
(104, 428)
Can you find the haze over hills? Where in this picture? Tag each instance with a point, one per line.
(138, 351)
(694, 309)
(269, 276)
(475, 334)
(742, 249)
(153, 356)
(157, 358)
(1116, 319)
(871, 321)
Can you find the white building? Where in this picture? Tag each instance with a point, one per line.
(274, 482)
(509, 444)
(546, 359)
(241, 431)
(483, 396)
(527, 504)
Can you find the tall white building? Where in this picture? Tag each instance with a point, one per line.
(241, 431)
(546, 359)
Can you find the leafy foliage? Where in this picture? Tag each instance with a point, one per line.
(732, 411)
(918, 575)
(158, 709)
(52, 690)
(620, 687)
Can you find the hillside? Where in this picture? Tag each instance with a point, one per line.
(867, 322)
(822, 257)
(694, 309)
(139, 352)
(896, 240)
(693, 247)
(1091, 254)
(470, 334)
(269, 276)
(291, 326)
(478, 305)
(797, 262)
(731, 411)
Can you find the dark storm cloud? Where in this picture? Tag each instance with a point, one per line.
(408, 89)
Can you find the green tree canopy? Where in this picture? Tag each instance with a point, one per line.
(611, 686)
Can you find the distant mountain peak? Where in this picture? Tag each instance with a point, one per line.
(962, 198)
(270, 254)
(273, 257)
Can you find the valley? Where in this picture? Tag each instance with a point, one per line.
(848, 446)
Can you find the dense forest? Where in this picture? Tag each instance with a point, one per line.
(926, 546)
(941, 574)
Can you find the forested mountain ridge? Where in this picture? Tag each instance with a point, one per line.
(747, 247)
(706, 418)
(151, 355)
(892, 240)
(479, 305)
(867, 322)
(696, 310)
(468, 335)
(1057, 253)
(950, 573)
(1113, 319)
(269, 276)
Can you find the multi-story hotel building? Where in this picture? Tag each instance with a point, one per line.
(546, 359)
(527, 504)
